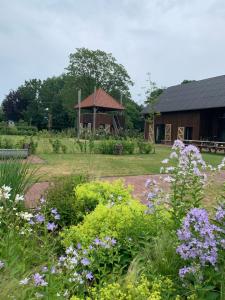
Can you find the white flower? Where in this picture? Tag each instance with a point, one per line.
(6, 189)
(165, 161)
(24, 281)
(26, 216)
(19, 198)
(1, 264)
(168, 179)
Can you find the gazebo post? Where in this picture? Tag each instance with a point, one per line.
(94, 112)
(94, 119)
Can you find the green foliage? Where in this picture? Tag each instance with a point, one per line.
(109, 146)
(56, 145)
(61, 196)
(16, 175)
(142, 289)
(18, 129)
(127, 222)
(89, 195)
(144, 147)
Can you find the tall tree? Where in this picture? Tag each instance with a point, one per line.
(91, 68)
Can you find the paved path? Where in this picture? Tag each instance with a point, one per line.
(137, 183)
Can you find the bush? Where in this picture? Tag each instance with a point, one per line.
(61, 196)
(89, 195)
(127, 223)
(144, 147)
(128, 147)
(106, 146)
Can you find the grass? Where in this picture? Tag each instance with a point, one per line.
(98, 165)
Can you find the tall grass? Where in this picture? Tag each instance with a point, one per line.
(16, 174)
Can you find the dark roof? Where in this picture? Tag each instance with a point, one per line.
(100, 99)
(202, 94)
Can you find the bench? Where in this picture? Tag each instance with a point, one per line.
(14, 153)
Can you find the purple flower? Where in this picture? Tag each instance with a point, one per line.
(57, 217)
(54, 211)
(51, 226)
(38, 280)
(199, 241)
(97, 241)
(79, 246)
(89, 276)
(186, 270)
(39, 218)
(85, 262)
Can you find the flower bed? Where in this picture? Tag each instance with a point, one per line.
(108, 245)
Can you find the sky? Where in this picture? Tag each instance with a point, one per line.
(171, 39)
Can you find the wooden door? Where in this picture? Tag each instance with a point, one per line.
(168, 130)
(180, 133)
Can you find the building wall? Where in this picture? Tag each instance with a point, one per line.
(101, 119)
(178, 119)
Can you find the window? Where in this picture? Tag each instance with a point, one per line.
(188, 133)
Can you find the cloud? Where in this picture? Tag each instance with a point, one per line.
(172, 39)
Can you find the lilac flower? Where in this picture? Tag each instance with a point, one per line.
(79, 246)
(39, 218)
(38, 280)
(113, 241)
(57, 217)
(199, 241)
(51, 226)
(165, 161)
(53, 270)
(85, 262)
(186, 270)
(220, 213)
(89, 276)
(97, 241)
(54, 211)
(24, 281)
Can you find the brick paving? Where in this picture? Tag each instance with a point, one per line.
(39, 189)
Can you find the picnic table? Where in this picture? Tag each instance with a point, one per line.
(210, 146)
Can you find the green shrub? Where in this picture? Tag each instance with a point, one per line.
(61, 196)
(106, 146)
(128, 147)
(144, 147)
(127, 223)
(56, 145)
(89, 195)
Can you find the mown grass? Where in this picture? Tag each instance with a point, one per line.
(98, 165)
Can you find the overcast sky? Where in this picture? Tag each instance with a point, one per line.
(172, 39)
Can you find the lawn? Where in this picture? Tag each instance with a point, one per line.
(98, 165)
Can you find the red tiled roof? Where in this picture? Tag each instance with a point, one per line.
(100, 99)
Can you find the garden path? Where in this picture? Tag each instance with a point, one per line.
(137, 182)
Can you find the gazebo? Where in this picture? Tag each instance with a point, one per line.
(101, 112)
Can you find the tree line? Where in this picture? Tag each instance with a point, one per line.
(50, 103)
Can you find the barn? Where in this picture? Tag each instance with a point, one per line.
(190, 111)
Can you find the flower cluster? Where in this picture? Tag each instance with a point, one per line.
(199, 244)
(40, 218)
(153, 195)
(200, 240)
(37, 280)
(77, 262)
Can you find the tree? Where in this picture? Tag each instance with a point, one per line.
(11, 106)
(187, 81)
(96, 68)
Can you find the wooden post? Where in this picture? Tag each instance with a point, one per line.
(94, 113)
(78, 121)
